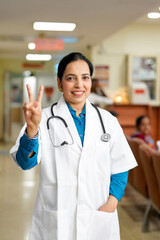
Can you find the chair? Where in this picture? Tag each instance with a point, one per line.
(156, 166)
(138, 179)
(131, 173)
(146, 153)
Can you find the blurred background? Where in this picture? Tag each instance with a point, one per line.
(122, 40)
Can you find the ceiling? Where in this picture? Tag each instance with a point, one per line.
(95, 19)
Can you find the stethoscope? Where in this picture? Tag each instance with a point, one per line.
(105, 137)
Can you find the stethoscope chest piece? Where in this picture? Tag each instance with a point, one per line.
(105, 137)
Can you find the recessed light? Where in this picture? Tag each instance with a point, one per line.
(38, 57)
(154, 15)
(54, 26)
(31, 46)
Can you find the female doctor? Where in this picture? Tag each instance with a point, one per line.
(84, 158)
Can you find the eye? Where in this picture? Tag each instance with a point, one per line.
(70, 78)
(86, 77)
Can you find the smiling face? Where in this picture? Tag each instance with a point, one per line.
(76, 83)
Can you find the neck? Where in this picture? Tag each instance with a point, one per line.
(78, 107)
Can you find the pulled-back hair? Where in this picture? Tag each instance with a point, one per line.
(74, 56)
(139, 120)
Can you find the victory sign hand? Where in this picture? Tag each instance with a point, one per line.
(32, 111)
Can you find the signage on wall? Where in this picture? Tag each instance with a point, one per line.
(49, 90)
(139, 91)
(49, 44)
(32, 65)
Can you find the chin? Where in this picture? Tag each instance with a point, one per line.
(79, 99)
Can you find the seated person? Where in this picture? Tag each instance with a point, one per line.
(97, 95)
(143, 131)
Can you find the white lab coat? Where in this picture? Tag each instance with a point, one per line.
(74, 181)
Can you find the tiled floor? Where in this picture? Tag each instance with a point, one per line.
(131, 214)
(17, 195)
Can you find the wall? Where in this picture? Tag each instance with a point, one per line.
(16, 66)
(137, 38)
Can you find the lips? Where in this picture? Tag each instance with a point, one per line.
(77, 93)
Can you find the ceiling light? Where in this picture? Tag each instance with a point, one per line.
(154, 15)
(54, 26)
(38, 57)
(31, 46)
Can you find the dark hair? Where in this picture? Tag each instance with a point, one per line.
(74, 56)
(139, 120)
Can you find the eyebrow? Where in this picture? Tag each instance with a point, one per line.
(70, 74)
(86, 74)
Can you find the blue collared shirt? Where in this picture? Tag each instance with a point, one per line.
(25, 148)
(118, 181)
(79, 121)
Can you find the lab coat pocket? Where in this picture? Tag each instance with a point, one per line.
(101, 226)
(50, 224)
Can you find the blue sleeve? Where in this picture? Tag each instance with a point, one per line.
(25, 148)
(118, 184)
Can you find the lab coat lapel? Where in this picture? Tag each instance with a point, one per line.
(62, 110)
(90, 125)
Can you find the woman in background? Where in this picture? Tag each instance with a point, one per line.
(143, 132)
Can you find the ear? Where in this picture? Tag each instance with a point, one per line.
(59, 84)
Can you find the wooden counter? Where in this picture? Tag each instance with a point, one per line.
(127, 115)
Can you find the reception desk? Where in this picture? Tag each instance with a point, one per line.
(127, 115)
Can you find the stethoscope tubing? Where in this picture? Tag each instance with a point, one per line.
(100, 118)
(53, 116)
(105, 136)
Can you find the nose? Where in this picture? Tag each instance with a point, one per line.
(78, 82)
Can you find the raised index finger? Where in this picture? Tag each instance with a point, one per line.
(30, 95)
(40, 94)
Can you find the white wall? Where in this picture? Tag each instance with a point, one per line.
(138, 38)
